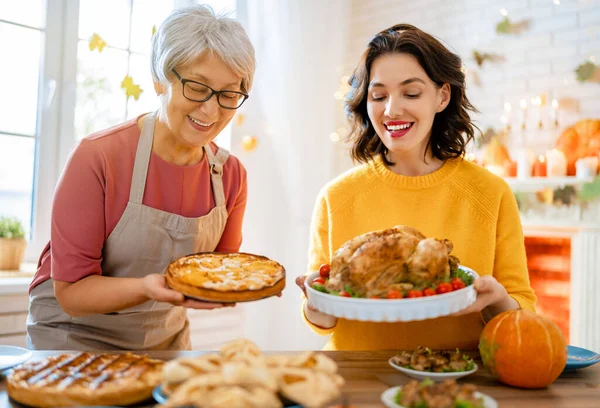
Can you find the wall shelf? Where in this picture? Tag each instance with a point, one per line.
(533, 184)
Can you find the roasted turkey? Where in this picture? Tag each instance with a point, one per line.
(395, 258)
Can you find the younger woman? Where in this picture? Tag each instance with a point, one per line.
(410, 124)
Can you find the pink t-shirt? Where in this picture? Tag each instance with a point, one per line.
(93, 191)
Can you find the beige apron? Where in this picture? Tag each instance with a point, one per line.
(144, 241)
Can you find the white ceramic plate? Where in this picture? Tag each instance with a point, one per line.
(391, 310)
(388, 396)
(10, 356)
(421, 375)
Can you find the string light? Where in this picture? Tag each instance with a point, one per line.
(504, 12)
(334, 137)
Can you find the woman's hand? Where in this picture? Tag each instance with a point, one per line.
(492, 299)
(155, 288)
(317, 318)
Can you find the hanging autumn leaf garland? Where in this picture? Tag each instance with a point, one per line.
(131, 89)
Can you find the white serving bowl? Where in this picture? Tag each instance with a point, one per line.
(388, 398)
(391, 310)
(421, 375)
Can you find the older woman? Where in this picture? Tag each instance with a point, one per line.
(135, 197)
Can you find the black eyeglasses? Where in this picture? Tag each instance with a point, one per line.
(199, 92)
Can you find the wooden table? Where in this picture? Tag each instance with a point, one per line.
(368, 374)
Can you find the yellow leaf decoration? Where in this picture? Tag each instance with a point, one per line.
(97, 42)
(131, 89)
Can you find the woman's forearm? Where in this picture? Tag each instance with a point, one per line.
(495, 309)
(99, 294)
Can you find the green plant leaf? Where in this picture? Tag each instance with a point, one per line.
(11, 227)
(585, 71)
(590, 191)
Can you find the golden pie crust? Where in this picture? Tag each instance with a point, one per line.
(226, 277)
(85, 379)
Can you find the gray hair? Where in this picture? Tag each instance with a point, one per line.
(195, 29)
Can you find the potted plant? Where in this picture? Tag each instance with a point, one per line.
(12, 243)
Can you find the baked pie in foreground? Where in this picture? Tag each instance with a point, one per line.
(226, 277)
(240, 375)
(85, 379)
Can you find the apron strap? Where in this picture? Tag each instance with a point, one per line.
(142, 159)
(215, 163)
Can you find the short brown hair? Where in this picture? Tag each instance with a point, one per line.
(441, 65)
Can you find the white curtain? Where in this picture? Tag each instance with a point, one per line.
(300, 47)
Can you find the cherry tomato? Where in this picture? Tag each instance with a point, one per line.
(443, 287)
(345, 294)
(457, 283)
(414, 293)
(324, 270)
(428, 292)
(394, 294)
(319, 280)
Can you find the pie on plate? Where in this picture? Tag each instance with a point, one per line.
(85, 379)
(226, 277)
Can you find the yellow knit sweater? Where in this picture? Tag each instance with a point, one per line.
(461, 201)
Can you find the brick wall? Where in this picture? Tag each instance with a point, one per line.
(541, 59)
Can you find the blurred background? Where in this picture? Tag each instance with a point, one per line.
(72, 67)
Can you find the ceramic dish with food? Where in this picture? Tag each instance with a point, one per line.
(436, 365)
(435, 395)
(371, 275)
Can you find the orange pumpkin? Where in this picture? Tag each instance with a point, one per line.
(523, 349)
(578, 141)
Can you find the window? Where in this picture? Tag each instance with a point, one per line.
(126, 27)
(57, 91)
(19, 81)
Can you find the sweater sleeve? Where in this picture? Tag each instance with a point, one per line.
(510, 261)
(318, 251)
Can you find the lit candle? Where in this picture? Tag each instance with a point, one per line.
(539, 167)
(556, 163)
(523, 164)
(510, 168)
(586, 167)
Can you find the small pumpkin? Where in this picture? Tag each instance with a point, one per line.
(578, 141)
(523, 349)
